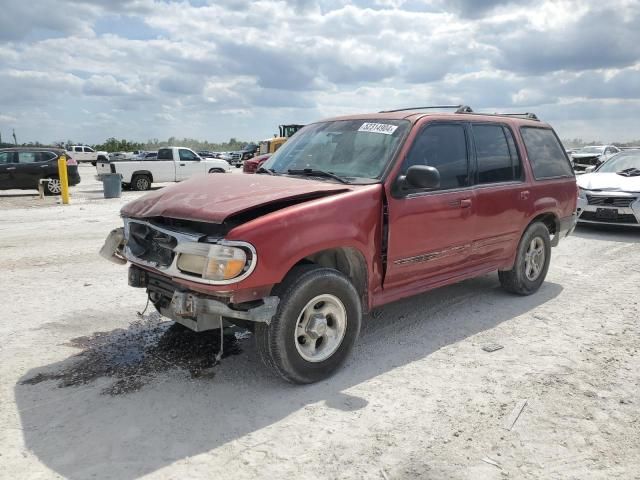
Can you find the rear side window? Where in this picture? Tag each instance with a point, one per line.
(165, 154)
(27, 157)
(445, 148)
(77, 149)
(45, 156)
(87, 149)
(546, 155)
(497, 160)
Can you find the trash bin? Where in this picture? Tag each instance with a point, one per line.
(112, 185)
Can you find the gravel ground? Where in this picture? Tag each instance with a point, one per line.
(90, 389)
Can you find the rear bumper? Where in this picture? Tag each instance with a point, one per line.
(567, 226)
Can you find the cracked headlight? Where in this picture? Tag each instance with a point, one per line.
(212, 262)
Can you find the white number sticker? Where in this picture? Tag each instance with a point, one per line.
(378, 128)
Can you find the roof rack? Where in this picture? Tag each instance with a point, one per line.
(459, 108)
(527, 115)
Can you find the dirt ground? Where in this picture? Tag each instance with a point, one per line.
(90, 389)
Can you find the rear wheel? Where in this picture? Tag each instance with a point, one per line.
(53, 186)
(532, 262)
(141, 182)
(216, 170)
(315, 327)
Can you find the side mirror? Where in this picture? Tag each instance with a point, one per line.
(421, 176)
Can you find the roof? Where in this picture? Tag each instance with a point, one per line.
(32, 149)
(413, 117)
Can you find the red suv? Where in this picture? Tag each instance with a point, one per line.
(350, 214)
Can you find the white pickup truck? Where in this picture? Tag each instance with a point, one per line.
(82, 153)
(173, 164)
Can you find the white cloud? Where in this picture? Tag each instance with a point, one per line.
(239, 67)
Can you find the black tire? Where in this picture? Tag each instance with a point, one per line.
(141, 182)
(216, 170)
(52, 187)
(94, 163)
(276, 342)
(517, 280)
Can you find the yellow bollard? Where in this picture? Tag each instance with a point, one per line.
(64, 179)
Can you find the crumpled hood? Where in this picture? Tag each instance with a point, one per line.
(215, 197)
(608, 182)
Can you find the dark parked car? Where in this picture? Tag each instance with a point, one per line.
(22, 168)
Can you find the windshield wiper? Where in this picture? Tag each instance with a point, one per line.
(317, 173)
(265, 170)
(629, 172)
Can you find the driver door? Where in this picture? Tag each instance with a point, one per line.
(188, 164)
(431, 231)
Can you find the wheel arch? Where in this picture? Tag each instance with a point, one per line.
(142, 172)
(347, 260)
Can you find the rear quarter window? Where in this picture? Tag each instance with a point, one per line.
(165, 154)
(546, 155)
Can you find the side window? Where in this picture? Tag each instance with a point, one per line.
(27, 157)
(546, 155)
(516, 161)
(77, 149)
(187, 155)
(6, 157)
(165, 154)
(445, 148)
(45, 156)
(88, 149)
(492, 150)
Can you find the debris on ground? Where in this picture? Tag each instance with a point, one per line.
(492, 347)
(514, 415)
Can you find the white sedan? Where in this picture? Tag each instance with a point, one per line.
(611, 194)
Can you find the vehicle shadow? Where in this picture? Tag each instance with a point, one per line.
(610, 233)
(80, 433)
(20, 195)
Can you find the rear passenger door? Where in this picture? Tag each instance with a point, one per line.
(431, 231)
(502, 197)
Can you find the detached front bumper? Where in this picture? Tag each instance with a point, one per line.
(194, 310)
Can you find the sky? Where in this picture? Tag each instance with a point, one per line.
(86, 70)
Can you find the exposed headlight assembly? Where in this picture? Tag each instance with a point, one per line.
(582, 193)
(214, 262)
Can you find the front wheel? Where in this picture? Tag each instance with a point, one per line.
(216, 170)
(532, 262)
(315, 327)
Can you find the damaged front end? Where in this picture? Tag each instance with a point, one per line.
(168, 262)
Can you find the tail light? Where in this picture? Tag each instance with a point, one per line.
(71, 162)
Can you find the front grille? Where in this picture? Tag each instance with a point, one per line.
(622, 218)
(151, 245)
(587, 160)
(620, 202)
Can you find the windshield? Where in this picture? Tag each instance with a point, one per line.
(594, 150)
(356, 150)
(620, 162)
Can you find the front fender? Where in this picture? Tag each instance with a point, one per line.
(283, 238)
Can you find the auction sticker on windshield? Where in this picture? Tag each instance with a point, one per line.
(378, 128)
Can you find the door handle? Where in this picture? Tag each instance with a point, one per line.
(11, 168)
(465, 203)
(524, 195)
(44, 166)
(182, 164)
